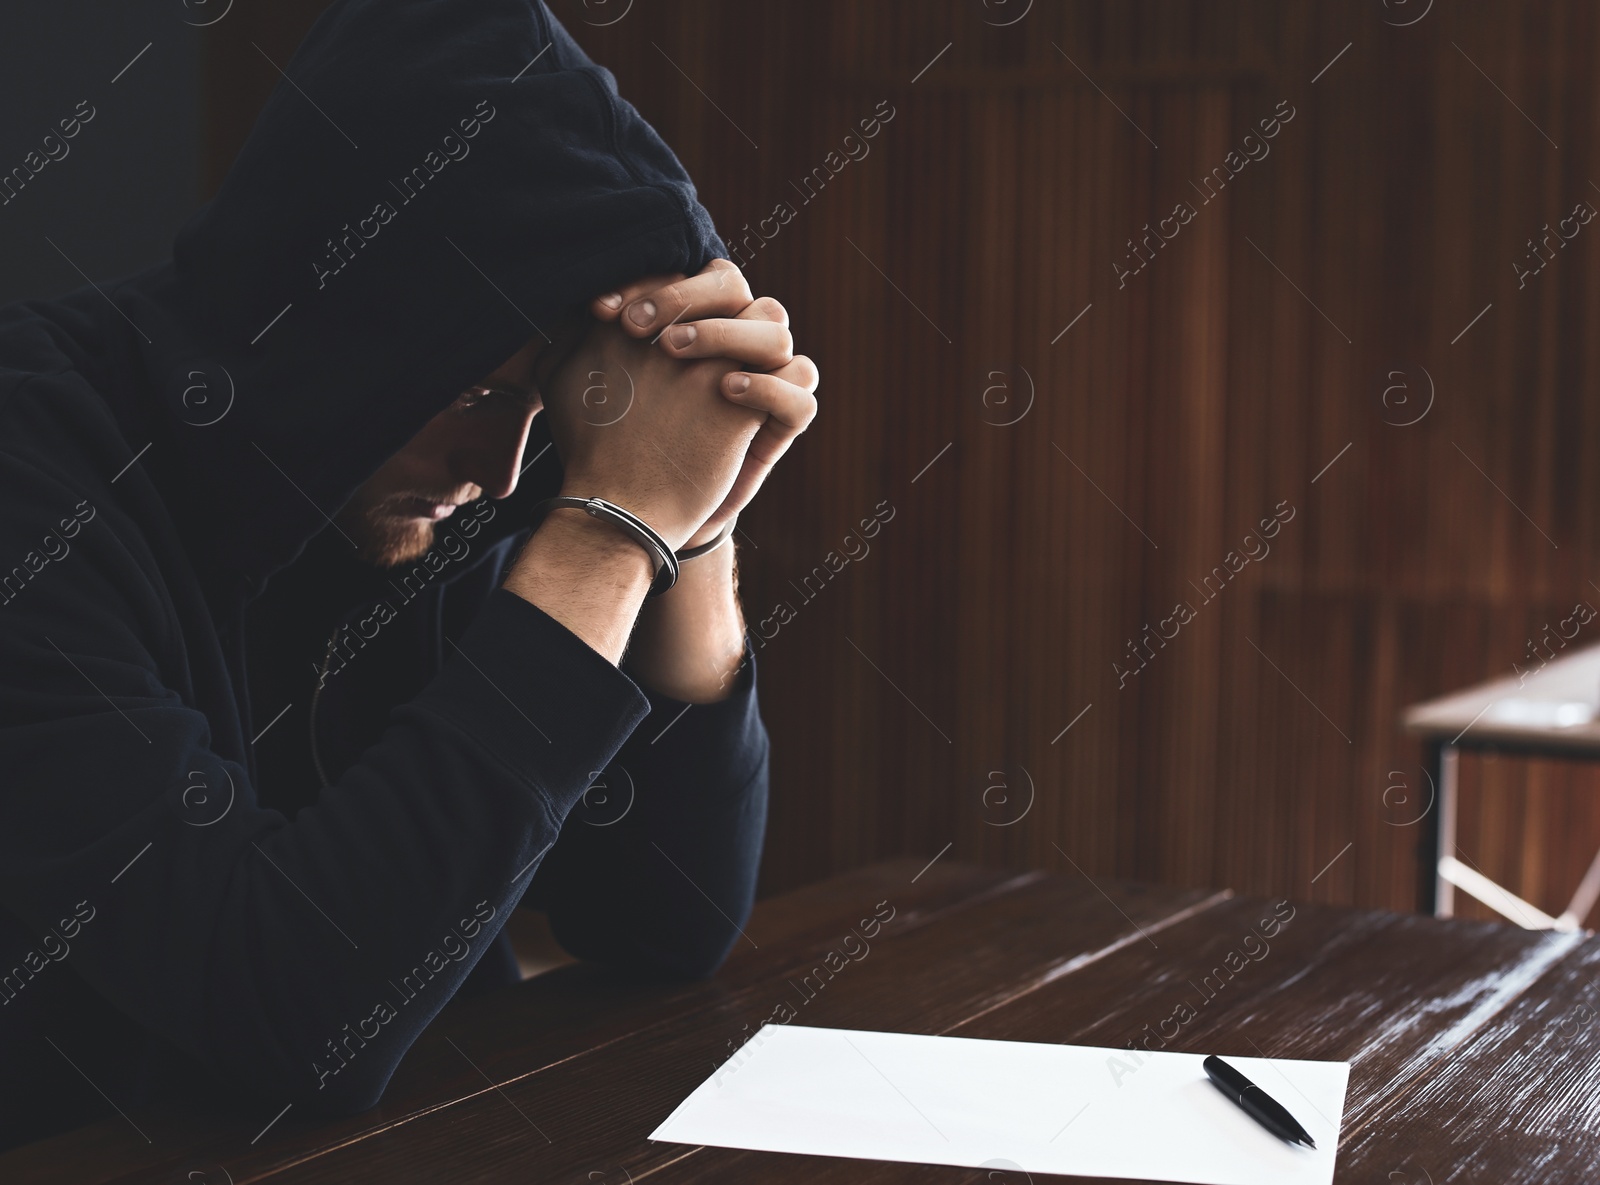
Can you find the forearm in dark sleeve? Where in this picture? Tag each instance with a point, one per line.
(656, 869)
(302, 959)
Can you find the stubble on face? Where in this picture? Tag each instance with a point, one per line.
(393, 527)
(393, 517)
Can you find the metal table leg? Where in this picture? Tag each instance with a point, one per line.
(1444, 893)
(1583, 900)
(1438, 839)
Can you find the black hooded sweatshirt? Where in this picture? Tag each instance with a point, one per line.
(182, 898)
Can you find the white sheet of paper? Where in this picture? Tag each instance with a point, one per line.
(1073, 1109)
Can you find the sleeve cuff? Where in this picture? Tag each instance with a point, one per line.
(539, 697)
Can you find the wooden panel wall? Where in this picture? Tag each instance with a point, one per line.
(1057, 492)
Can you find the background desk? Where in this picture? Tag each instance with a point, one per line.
(1519, 715)
(562, 1078)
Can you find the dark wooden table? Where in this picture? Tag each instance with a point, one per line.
(1475, 1047)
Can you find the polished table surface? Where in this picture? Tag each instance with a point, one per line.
(1475, 1047)
(1553, 707)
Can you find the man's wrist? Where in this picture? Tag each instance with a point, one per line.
(587, 575)
(689, 642)
(599, 540)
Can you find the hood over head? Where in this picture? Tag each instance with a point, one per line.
(430, 187)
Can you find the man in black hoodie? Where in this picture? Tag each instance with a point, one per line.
(267, 803)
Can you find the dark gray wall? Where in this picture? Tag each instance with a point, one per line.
(129, 177)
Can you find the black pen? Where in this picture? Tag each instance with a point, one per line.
(1256, 1103)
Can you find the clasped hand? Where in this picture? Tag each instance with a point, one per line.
(677, 399)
